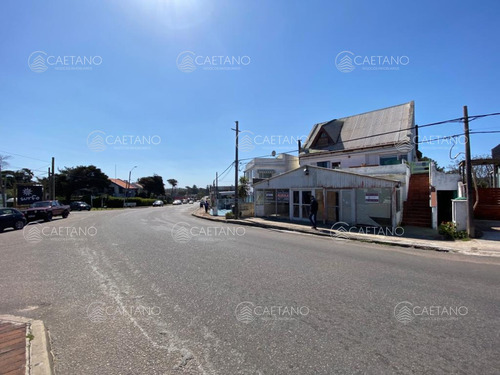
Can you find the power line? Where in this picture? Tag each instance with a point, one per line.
(23, 156)
(228, 169)
(458, 135)
(455, 120)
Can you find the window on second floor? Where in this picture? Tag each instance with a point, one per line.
(266, 173)
(389, 160)
(323, 164)
(392, 159)
(323, 140)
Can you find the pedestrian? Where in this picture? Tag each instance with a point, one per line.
(206, 206)
(314, 212)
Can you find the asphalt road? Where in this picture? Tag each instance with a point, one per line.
(157, 291)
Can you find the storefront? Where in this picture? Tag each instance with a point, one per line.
(342, 196)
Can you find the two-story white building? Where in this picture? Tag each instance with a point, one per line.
(339, 154)
(383, 138)
(259, 169)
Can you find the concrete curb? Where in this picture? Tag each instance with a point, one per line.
(322, 232)
(38, 355)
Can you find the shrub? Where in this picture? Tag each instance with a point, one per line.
(114, 202)
(449, 230)
(229, 215)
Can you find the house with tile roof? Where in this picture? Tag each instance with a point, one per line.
(121, 188)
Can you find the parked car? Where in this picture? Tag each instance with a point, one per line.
(11, 218)
(176, 202)
(191, 201)
(78, 206)
(158, 204)
(46, 210)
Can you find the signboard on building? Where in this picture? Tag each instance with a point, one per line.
(371, 198)
(283, 195)
(28, 194)
(269, 195)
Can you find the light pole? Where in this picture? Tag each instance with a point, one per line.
(128, 185)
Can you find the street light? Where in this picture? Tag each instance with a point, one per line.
(128, 185)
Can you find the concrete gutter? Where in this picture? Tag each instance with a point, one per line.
(334, 235)
(38, 354)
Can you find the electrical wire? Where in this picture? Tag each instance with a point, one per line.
(23, 156)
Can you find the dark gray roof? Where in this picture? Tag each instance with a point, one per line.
(495, 152)
(360, 131)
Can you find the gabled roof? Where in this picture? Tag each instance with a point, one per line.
(329, 178)
(383, 127)
(124, 184)
(495, 152)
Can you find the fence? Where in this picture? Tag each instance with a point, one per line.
(489, 204)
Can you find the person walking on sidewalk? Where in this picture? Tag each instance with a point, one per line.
(314, 212)
(206, 206)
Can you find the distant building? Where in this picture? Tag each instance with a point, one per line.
(120, 188)
(259, 169)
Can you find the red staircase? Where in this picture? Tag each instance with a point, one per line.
(416, 210)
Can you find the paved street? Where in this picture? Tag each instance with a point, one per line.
(157, 291)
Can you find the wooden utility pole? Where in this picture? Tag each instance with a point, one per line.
(216, 187)
(236, 163)
(49, 185)
(2, 188)
(468, 178)
(53, 182)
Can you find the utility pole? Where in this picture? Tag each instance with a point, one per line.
(53, 181)
(2, 185)
(49, 184)
(236, 163)
(216, 189)
(468, 171)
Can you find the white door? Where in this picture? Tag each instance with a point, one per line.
(301, 201)
(347, 207)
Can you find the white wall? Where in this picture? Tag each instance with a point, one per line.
(443, 181)
(351, 159)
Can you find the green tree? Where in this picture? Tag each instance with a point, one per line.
(481, 173)
(153, 185)
(87, 178)
(243, 187)
(438, 168)
(173, 182)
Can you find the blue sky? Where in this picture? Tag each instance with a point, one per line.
(286, 80)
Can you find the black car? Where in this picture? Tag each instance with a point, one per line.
(78, 206)
(11, 218)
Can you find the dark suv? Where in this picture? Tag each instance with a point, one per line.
(11, 218)
(78, 206)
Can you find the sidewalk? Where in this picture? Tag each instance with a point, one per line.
(415, 237)
(24, 347)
